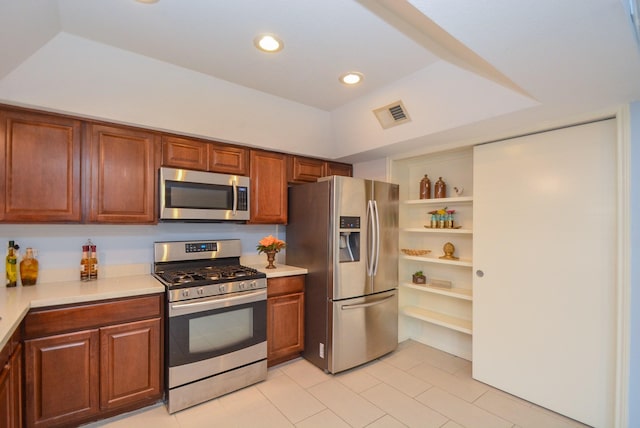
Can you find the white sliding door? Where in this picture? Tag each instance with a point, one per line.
(544, 321)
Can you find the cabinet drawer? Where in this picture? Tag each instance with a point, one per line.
(39, 323)
(285, 285)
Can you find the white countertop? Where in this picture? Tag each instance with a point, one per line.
(16, 302)
(280, 270)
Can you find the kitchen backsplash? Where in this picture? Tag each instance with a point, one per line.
(123, 250)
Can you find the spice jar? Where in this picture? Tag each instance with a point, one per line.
(29, 268)
(425, 188)
(440, 189)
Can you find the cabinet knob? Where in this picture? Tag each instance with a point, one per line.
(479, 273)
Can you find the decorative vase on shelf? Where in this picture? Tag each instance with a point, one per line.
(271, 257)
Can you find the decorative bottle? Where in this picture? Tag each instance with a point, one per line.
(425, 188)
(84, 263)
(29, 268)
(440, 189)
(93, 262)
(12, 265)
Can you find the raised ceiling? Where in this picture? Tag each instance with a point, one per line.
(565, 57)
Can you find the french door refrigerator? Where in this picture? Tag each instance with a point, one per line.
(344, 230)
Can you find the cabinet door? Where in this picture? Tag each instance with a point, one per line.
(130, 363)
(184, 153)
(304, 170)
(39, 168)
(122, 175)
(268, 188)
(16, 387)
(285, 327)
(334, 168)
(61, 374)
(228, 159)
(6, 397)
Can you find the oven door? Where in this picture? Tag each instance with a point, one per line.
(212, 335)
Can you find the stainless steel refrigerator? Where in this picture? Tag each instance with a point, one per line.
(344, 230)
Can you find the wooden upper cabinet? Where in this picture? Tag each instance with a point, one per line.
(301, 169)
(199, 155)
(228, 159)
(184, 153)
(268, 199)
(304, 170)
(336, 168)
(121, 173)
(39, 167)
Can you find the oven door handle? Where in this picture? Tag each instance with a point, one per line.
(218, 302)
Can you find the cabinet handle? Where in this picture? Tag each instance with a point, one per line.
(479, 273)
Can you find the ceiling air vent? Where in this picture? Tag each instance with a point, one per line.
(392, 115)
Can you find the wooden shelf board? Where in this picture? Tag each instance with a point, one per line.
(429, 230)
(437, 318)
(433, 259)
(439, 201)
(456, 293)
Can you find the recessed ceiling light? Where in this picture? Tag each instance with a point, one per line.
(351, 78)
(268, 43)
(147, 1)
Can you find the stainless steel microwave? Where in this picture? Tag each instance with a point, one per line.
(187, 195)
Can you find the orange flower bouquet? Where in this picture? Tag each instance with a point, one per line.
(270, 243)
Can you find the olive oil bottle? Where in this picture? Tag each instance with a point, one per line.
(12, 265)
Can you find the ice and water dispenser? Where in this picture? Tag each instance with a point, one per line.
(349, 240)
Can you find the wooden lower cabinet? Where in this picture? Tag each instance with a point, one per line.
(79, 376)
(11, 384)
(129, 363)
(62, 378)
(285, 318)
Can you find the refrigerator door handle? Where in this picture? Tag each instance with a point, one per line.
(376, 242)
(366, 305)
(371, 239)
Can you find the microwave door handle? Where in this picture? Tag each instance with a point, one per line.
(235, 198)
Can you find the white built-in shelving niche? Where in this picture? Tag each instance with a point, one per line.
(439, 317)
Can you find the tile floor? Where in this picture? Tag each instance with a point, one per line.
(415, 386)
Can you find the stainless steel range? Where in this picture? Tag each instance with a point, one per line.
(215, 335)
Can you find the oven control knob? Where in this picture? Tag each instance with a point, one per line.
(201, 291)
(253, 284)
(222, 288)
(242, 286)
(185, 293)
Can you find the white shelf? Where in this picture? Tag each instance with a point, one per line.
(453, 323)
(433, 259)
(431, 230)
(439, 201)
(456, 293)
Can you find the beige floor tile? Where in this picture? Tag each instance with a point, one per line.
(345, 403)
(522, 415)
(357, 380)
(304, 373)
(324, 419)
(467, 389)
(156, 416)
(409, 355)
(397, 378)
(403, 408)
(453, 424)
(386, 422)
(569, 421)
(460, 411)
(291, 399)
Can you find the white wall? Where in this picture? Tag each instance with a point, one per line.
(634, 367)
